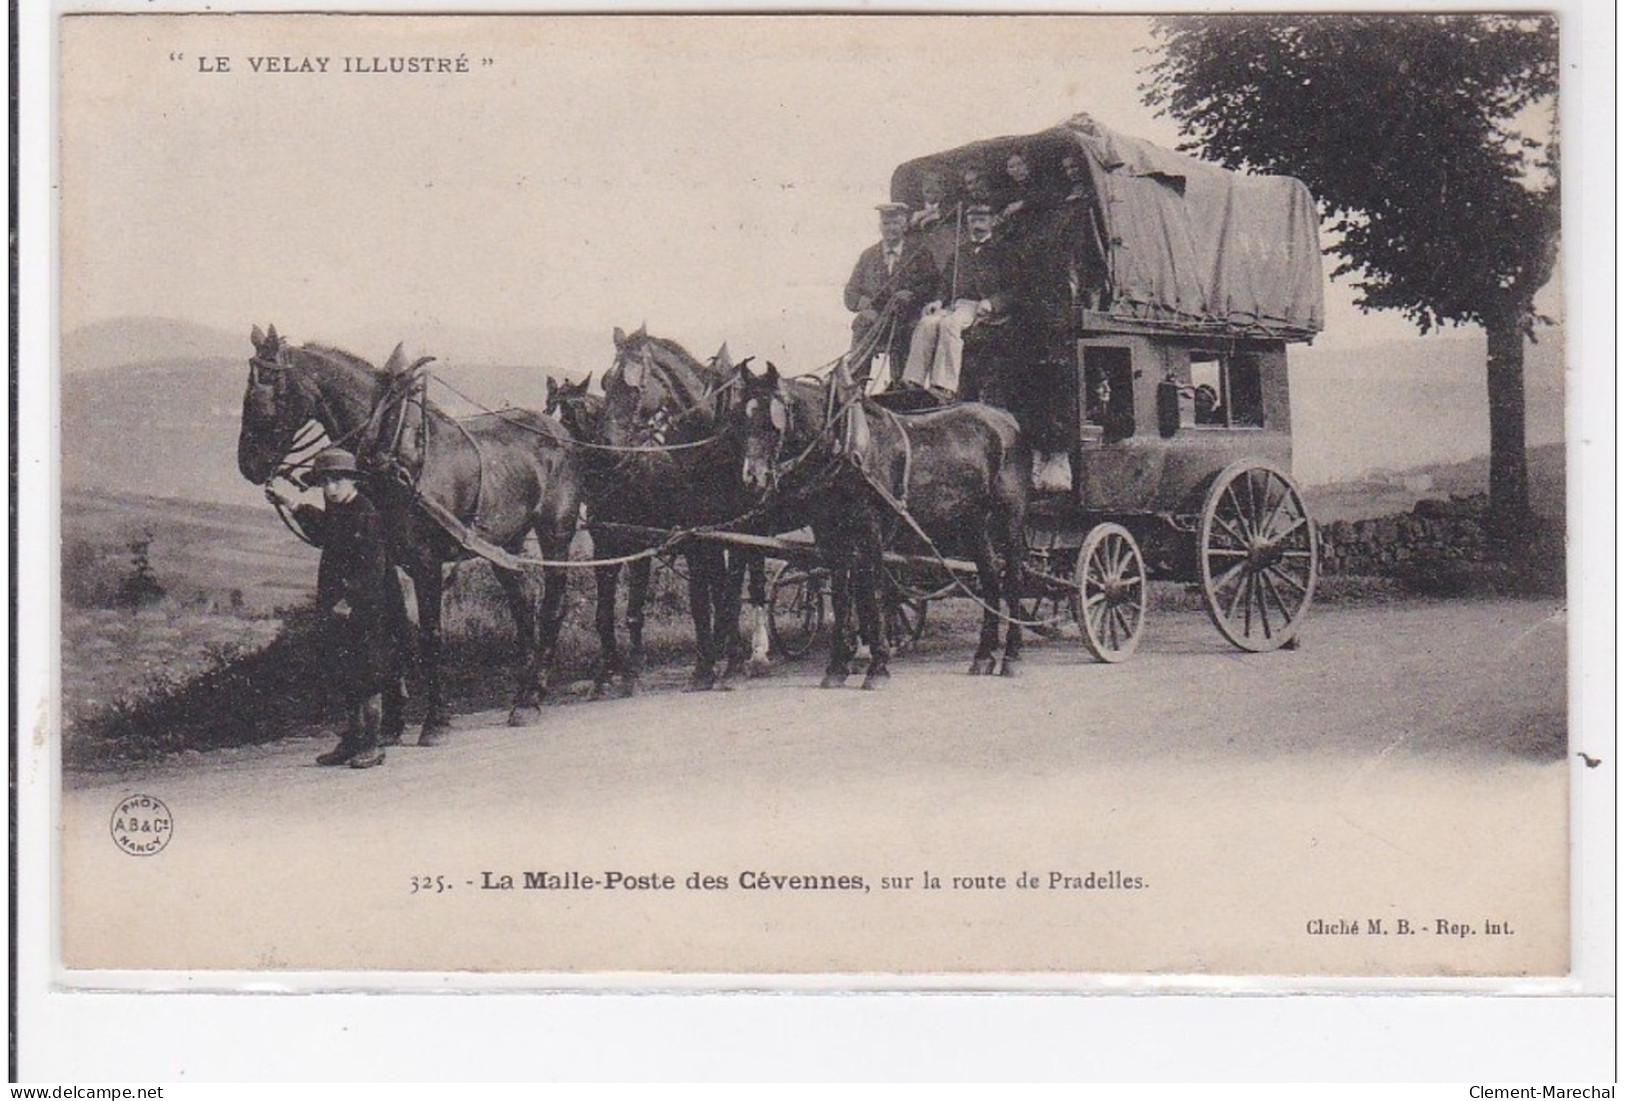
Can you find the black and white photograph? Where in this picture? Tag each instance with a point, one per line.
(881, 502)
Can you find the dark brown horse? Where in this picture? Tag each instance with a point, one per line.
(501, 476)
(961, 473)
(581, 412)
(671, 469)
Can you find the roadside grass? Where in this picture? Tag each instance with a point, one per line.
(145, 683)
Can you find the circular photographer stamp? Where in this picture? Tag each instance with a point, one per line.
(142, 825)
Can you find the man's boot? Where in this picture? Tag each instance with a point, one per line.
(348, 743)
(368, 752)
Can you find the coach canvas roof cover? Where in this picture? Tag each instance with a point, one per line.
(1192, 245)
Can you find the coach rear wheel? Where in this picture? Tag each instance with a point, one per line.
(1259, 555)
(1110, 603)
(795, 609)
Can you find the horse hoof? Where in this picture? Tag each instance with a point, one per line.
(878, 679)
(722, 685)
(600, 689)
(833, 680)
(434, 735)
(759, 667)
(524, 714)
(981, 667)
(390, 739)
(699, 683)
(1010, 668)
(629, 688)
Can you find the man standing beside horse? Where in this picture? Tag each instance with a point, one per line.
(365, 617)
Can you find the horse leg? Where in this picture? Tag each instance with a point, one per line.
(393, 721)
(427, 580)
(555, 585)
(700, 580)
(728, 606)
(526, 705)
(1015, 570)
(987, 576)
(760, 664)
(607, 578)
(871, 624)
(637, 596)
(840, 596)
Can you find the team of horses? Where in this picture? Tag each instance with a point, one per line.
(673, 456)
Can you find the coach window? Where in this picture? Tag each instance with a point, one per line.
(1108, 380)
(1228, 392)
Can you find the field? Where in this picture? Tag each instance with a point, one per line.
(214, 646)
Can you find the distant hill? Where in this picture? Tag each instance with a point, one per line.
(124, 341)
(1406, 404)
(164, 421)
(1387, 493)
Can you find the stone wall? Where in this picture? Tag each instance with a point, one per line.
(1434, 532)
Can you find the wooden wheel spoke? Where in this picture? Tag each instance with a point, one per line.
(1235, 599)
(1258, 500)
(1239, 538)
(1238, 513)
(1121, 624)
(1286, 612)
(1131, 617)
(1276, 571)
(1299, 523)
(1259, 583)
(1228, 575)
(1275, 510)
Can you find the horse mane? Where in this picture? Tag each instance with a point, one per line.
(349, 359)
(707, 375)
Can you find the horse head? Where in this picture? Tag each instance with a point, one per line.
(762, 413)
(571, 405)
(275, 407)
(288, 387)
(636, 399)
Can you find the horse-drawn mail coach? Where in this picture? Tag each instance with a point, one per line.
(1160, 294)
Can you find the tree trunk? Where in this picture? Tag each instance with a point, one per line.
(1509, 468)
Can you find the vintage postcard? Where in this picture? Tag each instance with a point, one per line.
(915, 347)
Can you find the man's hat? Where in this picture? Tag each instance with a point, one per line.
(335, 462)
(978, 208)
(892, 208)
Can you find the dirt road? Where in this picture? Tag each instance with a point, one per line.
(1406, 766)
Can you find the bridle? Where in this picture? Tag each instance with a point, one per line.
(634, 369)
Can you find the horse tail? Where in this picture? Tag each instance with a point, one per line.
(1011, 466)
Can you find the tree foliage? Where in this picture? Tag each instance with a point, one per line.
(1430, 142)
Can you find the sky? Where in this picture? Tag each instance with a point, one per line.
(699, 174)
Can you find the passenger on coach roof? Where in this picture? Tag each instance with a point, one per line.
(889, 284)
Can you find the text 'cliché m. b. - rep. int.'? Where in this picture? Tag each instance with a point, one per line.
(323, 64)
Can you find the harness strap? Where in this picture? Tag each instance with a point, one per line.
(908, 452)
(475, 544)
